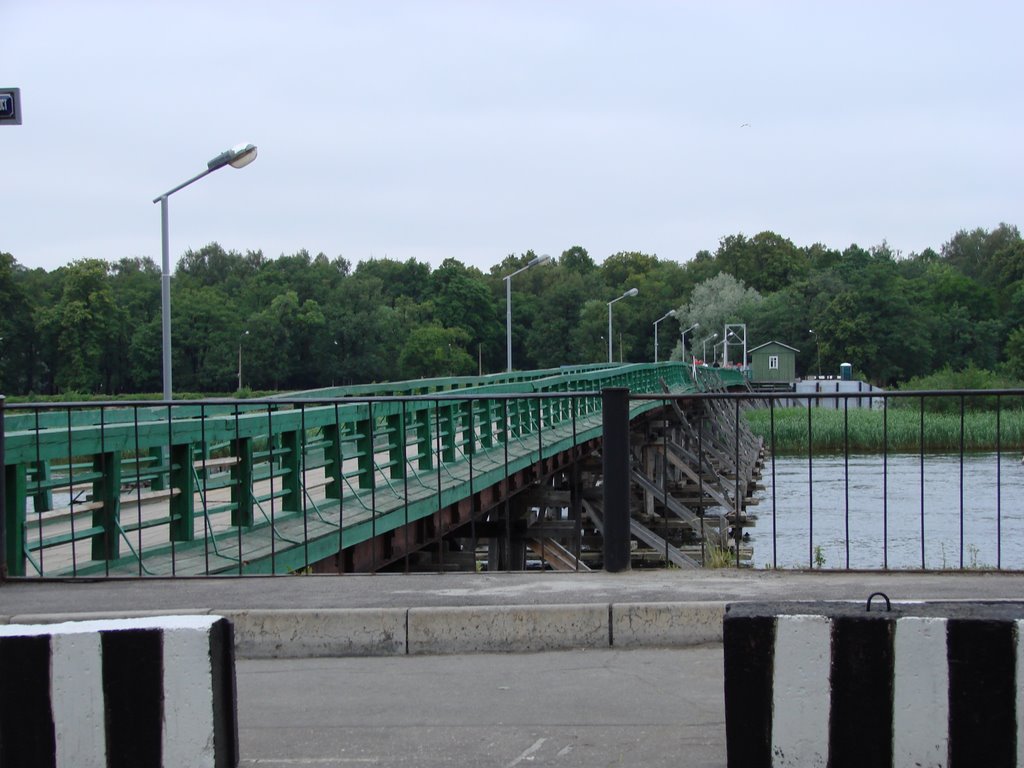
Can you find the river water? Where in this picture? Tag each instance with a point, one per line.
(901, 512)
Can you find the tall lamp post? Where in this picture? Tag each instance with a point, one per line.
(732, 337)
(682, 339)
(626, 295)
(714, 349)
(508, 306)
(237, 157)
(704, 347)
(240, 340)
(817, 343)
(666, 316)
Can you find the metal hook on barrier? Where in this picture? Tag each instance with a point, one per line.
(873, 595)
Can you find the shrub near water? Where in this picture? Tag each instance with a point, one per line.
(871, 431)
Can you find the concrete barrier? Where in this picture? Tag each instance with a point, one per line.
(666, 625)
(129, 692)
(515, 628)
(928, 684)
(284, 634)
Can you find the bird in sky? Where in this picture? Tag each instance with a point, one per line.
(745, 125)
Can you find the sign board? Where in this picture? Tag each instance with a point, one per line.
(10, 106)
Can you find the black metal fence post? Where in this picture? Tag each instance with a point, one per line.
(615, 420)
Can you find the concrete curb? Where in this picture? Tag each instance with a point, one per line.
(284, 634)
(671, 625)
(504, 629)
(313, 633)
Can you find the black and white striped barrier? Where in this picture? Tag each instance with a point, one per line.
(126, 692)
(924, 684)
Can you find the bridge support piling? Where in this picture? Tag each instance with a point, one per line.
(615, 451)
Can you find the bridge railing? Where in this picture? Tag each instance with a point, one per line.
(274, 485)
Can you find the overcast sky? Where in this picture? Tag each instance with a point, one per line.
(473, 130)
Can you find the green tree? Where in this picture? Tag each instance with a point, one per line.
(204, 329)
(1015, 354)
(767, 262)
(620, 268)
(17, 339)
(550, 317)
(135, 283)
(409, 278)
(576, 259)
(85, 322)
(461, 298)
(366, 333)
(719, 300)
(286, 332)
(432, 350)
(589, 337)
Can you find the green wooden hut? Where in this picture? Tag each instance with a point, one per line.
(773, 365)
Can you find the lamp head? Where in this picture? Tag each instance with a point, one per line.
(538, 260)
(631, 292)
(238, 156)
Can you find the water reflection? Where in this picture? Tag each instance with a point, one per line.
(900, 512)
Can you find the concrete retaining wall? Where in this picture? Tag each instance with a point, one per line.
(925, 684)
(128, 692)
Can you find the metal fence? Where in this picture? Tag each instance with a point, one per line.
(924, 480)
(278, 486)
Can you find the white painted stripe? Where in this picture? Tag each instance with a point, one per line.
(1020, 693)
(101, 625)
(528, 753)
(76, 693)
(801, 697)
(188, 699)
(920, 696)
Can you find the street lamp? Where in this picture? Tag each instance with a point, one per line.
(666, 316)
(626, 295)
(817, 343)
(704, 347)
(240, 339)
(508, 306)
(237, 157)
(682, 340)
(714, 349)
(731, 337)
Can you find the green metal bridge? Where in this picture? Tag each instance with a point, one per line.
(341, 480)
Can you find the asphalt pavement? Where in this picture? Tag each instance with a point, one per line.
(568, 709)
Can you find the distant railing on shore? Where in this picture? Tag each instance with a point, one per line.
(925, 480)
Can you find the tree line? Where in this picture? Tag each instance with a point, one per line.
(301, 321)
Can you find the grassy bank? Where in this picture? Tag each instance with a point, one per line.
(899, 429)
